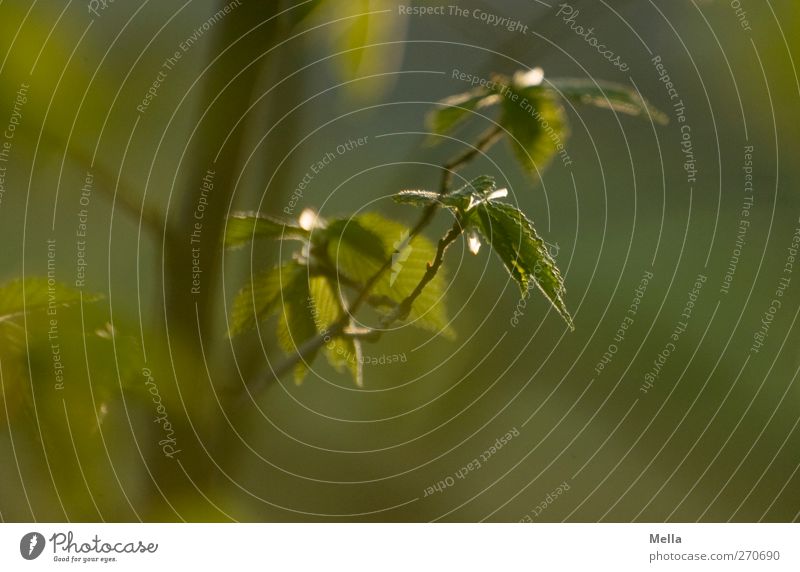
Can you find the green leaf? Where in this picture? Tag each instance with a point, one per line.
(364, 238)
(300, 11)
(537, 125)
(455, 109)
(607, 95)
(305, 307)
(244, 227)
(296, 320)
(281, 291)
(344, 353)
(328, 308)
(419, 198)
(469, 196)
(19, 296)
(261, 297)
(524, 254)
(365, 44)
(359, 261)
(28, 296)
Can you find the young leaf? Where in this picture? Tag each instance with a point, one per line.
(475, 192)
(455, 109)
(358, 259)
(328, 308)
(345, 353)
(261, 297)
(607, 95)
(296, 320)
(361, 237)
(513, 237)
(419, 198)
(244, 227)
(537, 124)
(34, 294)
(284, 291)
(19, 296)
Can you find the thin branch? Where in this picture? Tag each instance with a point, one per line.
(375, 300)
(308, 348)
(404, 308)
(486, 140)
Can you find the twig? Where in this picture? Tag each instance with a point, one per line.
(308, 348)
(404, 308)
(486, 140)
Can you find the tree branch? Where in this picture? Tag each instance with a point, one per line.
(404, 308)
(308, 348)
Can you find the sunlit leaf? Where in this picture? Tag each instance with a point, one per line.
(524, 254)
(420, 198)
(364, 238)
(261, 297)
(245, 227)
(367, 43)
(607, 95)
(358, 262)
(296, 320)
(455, 109)
(283, 291)
(469, 196)
(536, 122)
(328, 308)
(344, 353)
(33, 294)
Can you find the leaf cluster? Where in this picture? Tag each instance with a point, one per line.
(310, 293)
(507, 230)
(531, 113)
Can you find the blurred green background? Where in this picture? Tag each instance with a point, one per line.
(264, 92)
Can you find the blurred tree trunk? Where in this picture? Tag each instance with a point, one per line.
(192, 302)
(186, 291)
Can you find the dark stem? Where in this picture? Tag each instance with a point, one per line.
(486, 140)
(404, 308)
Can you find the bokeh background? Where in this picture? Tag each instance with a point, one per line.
(264, 92)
